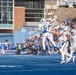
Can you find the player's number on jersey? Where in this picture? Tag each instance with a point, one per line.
(45, 27)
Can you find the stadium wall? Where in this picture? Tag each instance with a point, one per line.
(63, 13)
(19, 17)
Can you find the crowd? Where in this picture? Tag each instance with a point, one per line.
(33, 44)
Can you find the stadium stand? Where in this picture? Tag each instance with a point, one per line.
(20, 36)
(63, 3)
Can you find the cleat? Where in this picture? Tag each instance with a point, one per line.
(67, 61)
(73, 58)
(49, 52)
(62, 62)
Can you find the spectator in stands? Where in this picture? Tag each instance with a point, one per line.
(40, 47)
(5, 46)
(23, 47)
(36, 45)
(19, 48)
(0, 45)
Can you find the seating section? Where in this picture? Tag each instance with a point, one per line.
(67, 3)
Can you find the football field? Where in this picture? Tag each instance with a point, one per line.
(35, 65)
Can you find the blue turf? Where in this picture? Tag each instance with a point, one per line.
(35, 65)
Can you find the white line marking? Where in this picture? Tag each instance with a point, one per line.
(10, 66)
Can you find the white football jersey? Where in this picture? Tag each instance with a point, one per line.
(44, 27)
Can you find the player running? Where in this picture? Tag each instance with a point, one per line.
(73, 40)
(64, 44)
